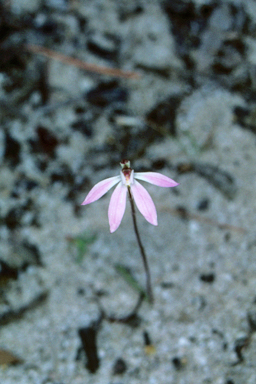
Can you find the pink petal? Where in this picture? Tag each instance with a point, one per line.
(156, 179)
(117, 206)
(144, 202)
(100, 189)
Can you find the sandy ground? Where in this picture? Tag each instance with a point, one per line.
(186, 111)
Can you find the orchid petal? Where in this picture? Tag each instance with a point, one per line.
(144, 202)
(117, 206)
(100, 189)
(156, 179)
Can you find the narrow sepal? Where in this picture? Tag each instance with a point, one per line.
(156, 179)
(144, 202)
(100, 189)
(117, 206)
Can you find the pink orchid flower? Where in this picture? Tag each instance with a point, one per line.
(127, 179)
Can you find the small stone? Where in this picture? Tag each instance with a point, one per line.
(207, 277)
(177, 363)
(12, 150)
(45, 142)
(203, 204)
(88, 336)
(103, 46)
(106, 93)
(239, 346)
(119, 367)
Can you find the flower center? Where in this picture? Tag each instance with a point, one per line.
(127, 174)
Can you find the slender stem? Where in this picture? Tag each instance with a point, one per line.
(142, 251)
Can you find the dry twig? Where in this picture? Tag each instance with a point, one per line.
(81, 64)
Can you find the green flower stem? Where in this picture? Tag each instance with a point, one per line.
(142, 251)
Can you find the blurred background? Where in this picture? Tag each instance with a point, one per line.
(171, 86)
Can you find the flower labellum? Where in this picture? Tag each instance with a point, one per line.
(128, 179)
